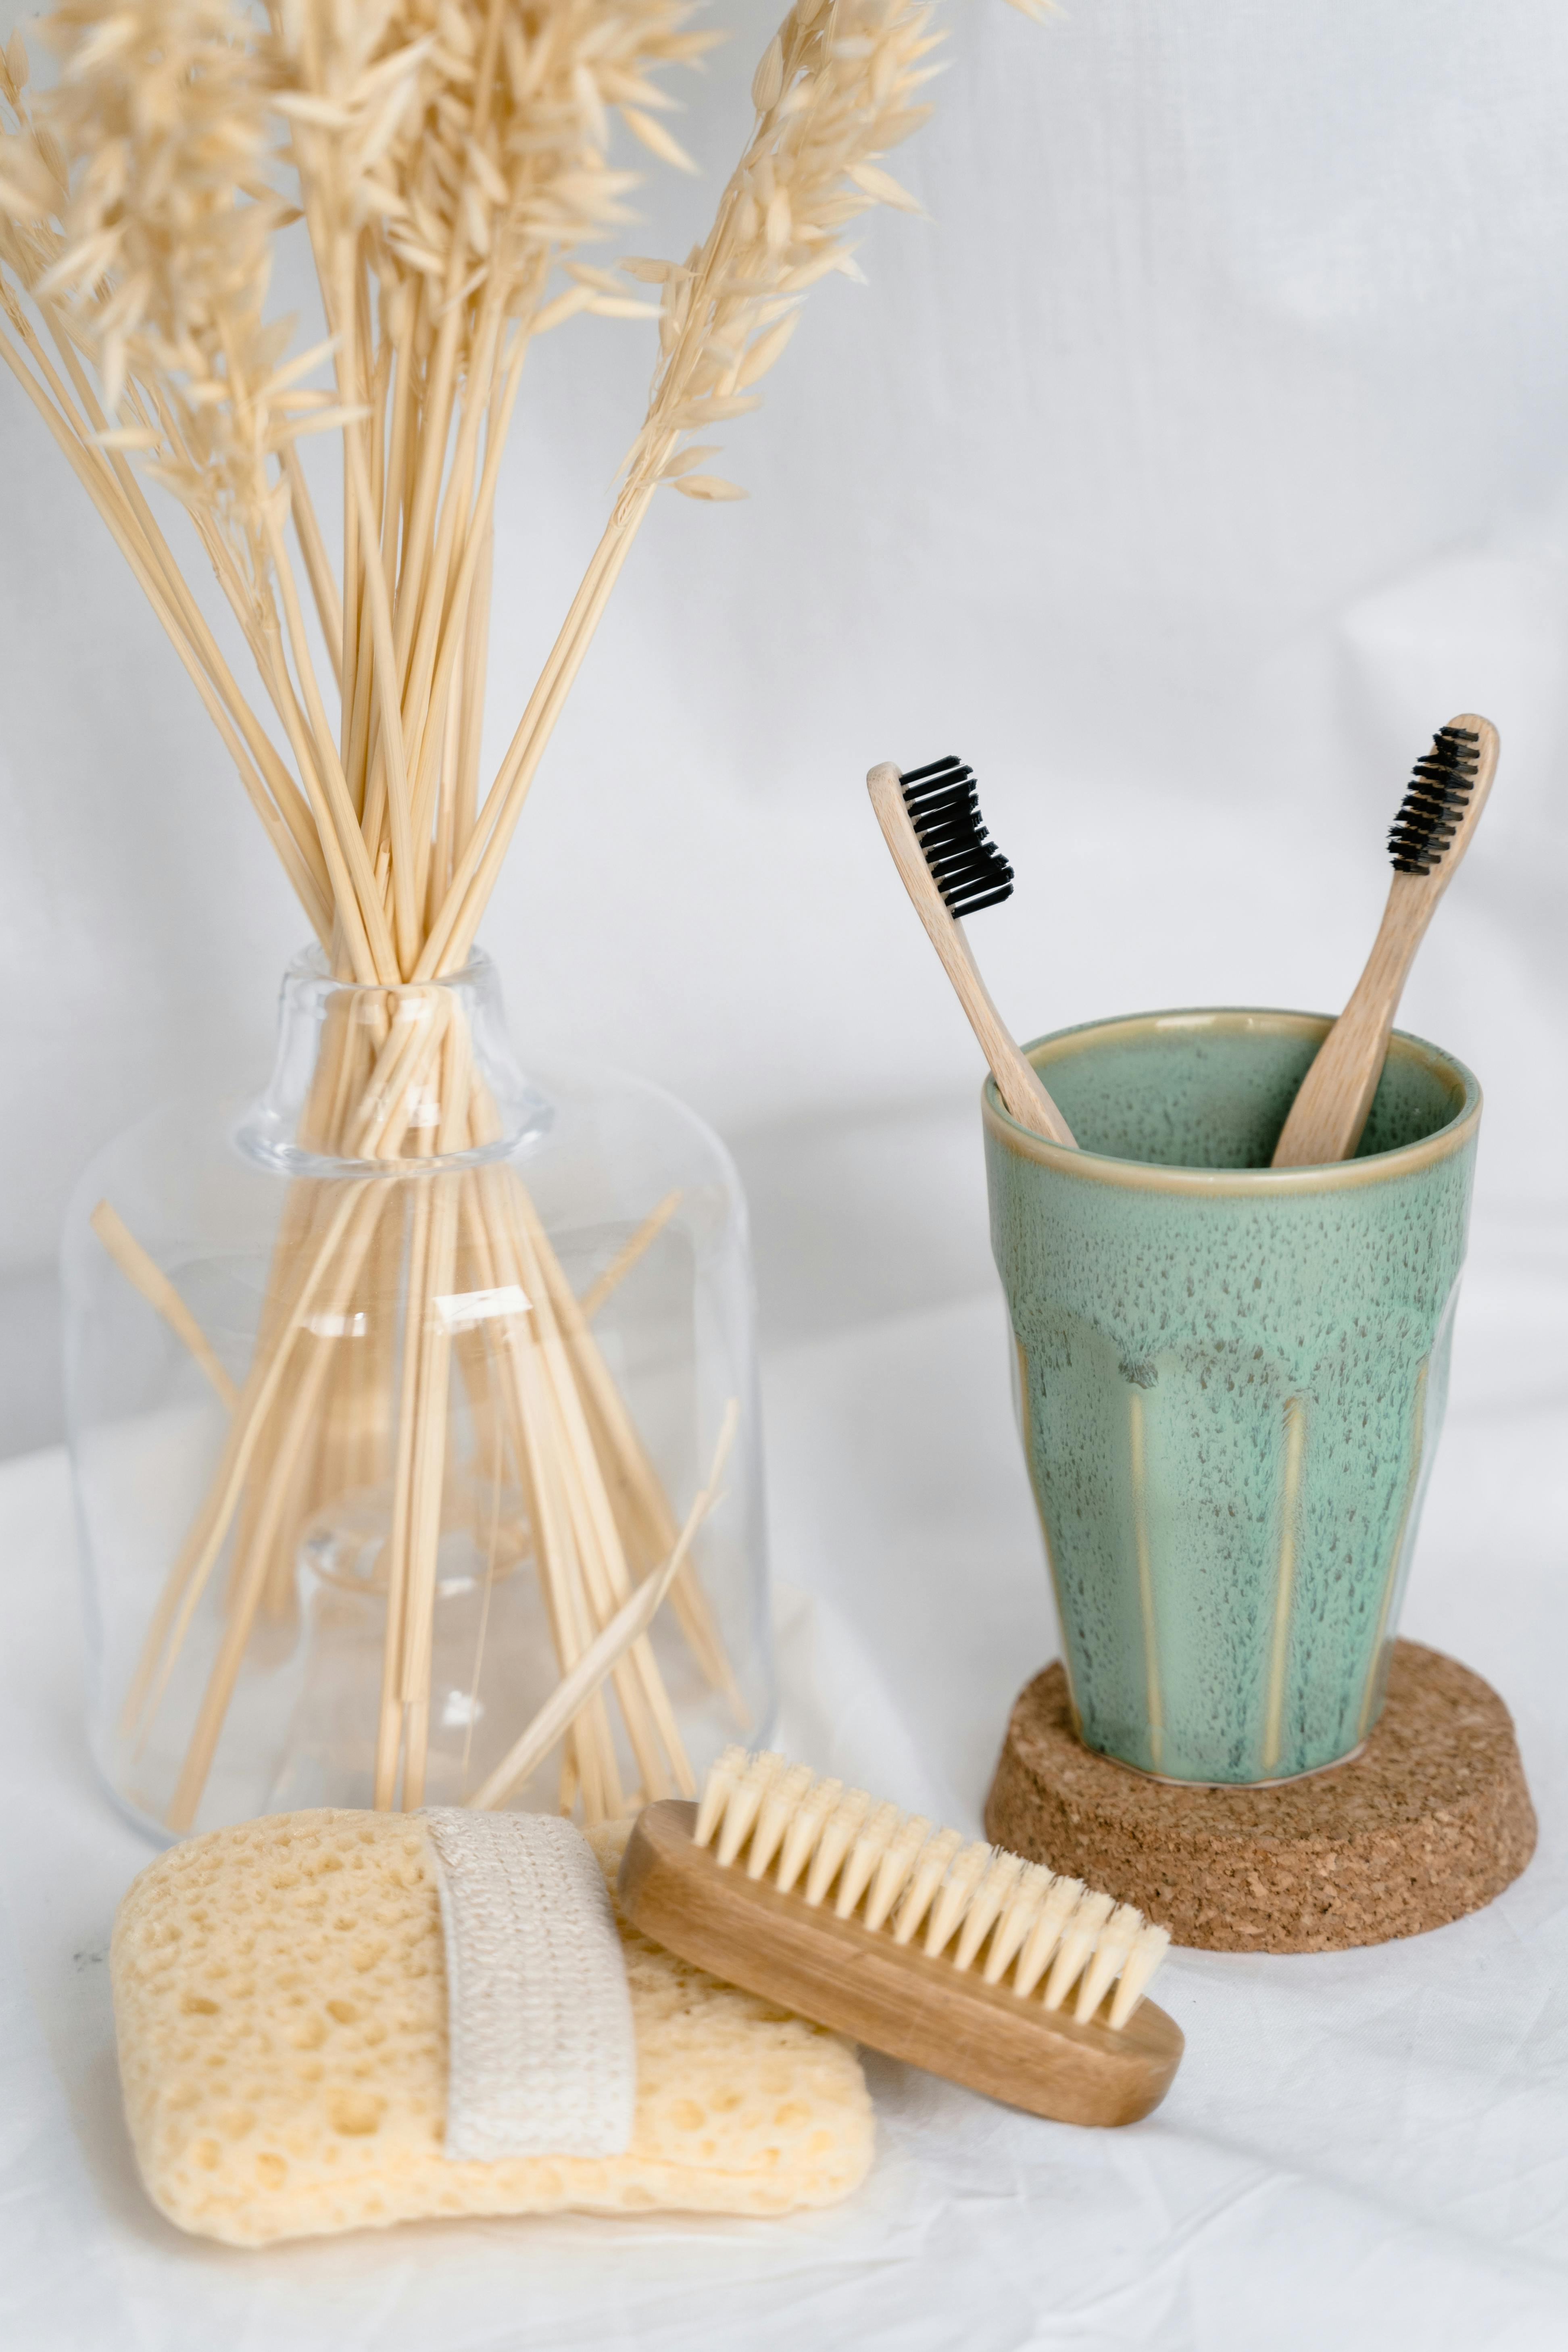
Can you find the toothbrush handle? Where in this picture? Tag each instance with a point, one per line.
(1017, 1080)
(1334, 1097)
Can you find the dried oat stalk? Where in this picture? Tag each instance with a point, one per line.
(836, 91)
(449, 162)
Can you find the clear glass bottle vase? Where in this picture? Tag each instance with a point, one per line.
(387, 1397)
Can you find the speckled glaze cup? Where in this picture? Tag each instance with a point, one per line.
(1231, 1378)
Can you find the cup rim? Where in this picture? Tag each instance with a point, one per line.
(1147, 1176)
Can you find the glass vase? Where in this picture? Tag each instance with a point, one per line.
(414, 1428)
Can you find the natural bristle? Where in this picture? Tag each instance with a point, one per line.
(965, 863)
(1435, 805)
(987, 1912)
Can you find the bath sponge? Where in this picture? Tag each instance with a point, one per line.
(281, 2010)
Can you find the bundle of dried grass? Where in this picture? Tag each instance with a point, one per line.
(449, 158)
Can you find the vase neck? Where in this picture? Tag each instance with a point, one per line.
(396, 1081)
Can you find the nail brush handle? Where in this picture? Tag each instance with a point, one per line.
(893, 1997)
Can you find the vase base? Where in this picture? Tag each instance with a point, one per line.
(1428, 1821)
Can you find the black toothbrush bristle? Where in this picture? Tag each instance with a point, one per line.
(965, 863)
(1438, 796)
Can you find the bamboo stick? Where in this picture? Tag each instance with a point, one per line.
(452, 936)
(391, 1716)
(529, 1749)
(491, 1551)
(435, 1375)
(344, 815)
(188, 1577)
(621, 1445)
(388, 712)
(313, 548)
(441, 619)
(171, 580)
(149, 1278)
(120, 529)
(627, 1256)
(441, 382)
(476, 654)
(447, 800)
(348, 652)
(300, 1407)
(354, 914)
(598, 1536)
(594, 1749)
(528, 1395)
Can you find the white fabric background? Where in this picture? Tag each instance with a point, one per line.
(1205, 451)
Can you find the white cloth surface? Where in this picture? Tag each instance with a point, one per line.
(542, 2055)
(1368, 2149)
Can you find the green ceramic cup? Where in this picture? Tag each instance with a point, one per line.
(1231, 1378)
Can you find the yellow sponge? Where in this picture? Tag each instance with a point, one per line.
(281, 2005)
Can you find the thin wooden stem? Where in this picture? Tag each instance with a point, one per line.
(391, 1716)
(627, 1255)
(147, 1276)
(356, 767)
(621, 1449)
(430, 457)
(349, 909)
(292, 803)
(300, 1410)
(441, 378)
(452, 935)
(477, 546)
(342, 814)
(348, 653)
(100, 486)
(187, 1578)
(476, 656)
(390, 716)
(440, 616)
(440, 866)
(435, 1363)
(635, 1616)
(598, 1538)
(313, 548)
(284, 791)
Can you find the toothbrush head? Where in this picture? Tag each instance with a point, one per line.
(1435, 805)
(965, 863)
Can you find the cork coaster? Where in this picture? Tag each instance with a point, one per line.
(1429, 1820)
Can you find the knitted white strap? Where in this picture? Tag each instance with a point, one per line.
(542, 2055)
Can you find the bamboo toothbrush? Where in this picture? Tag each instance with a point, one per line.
(950, 866)
(963, 1959)
(1430, 835)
